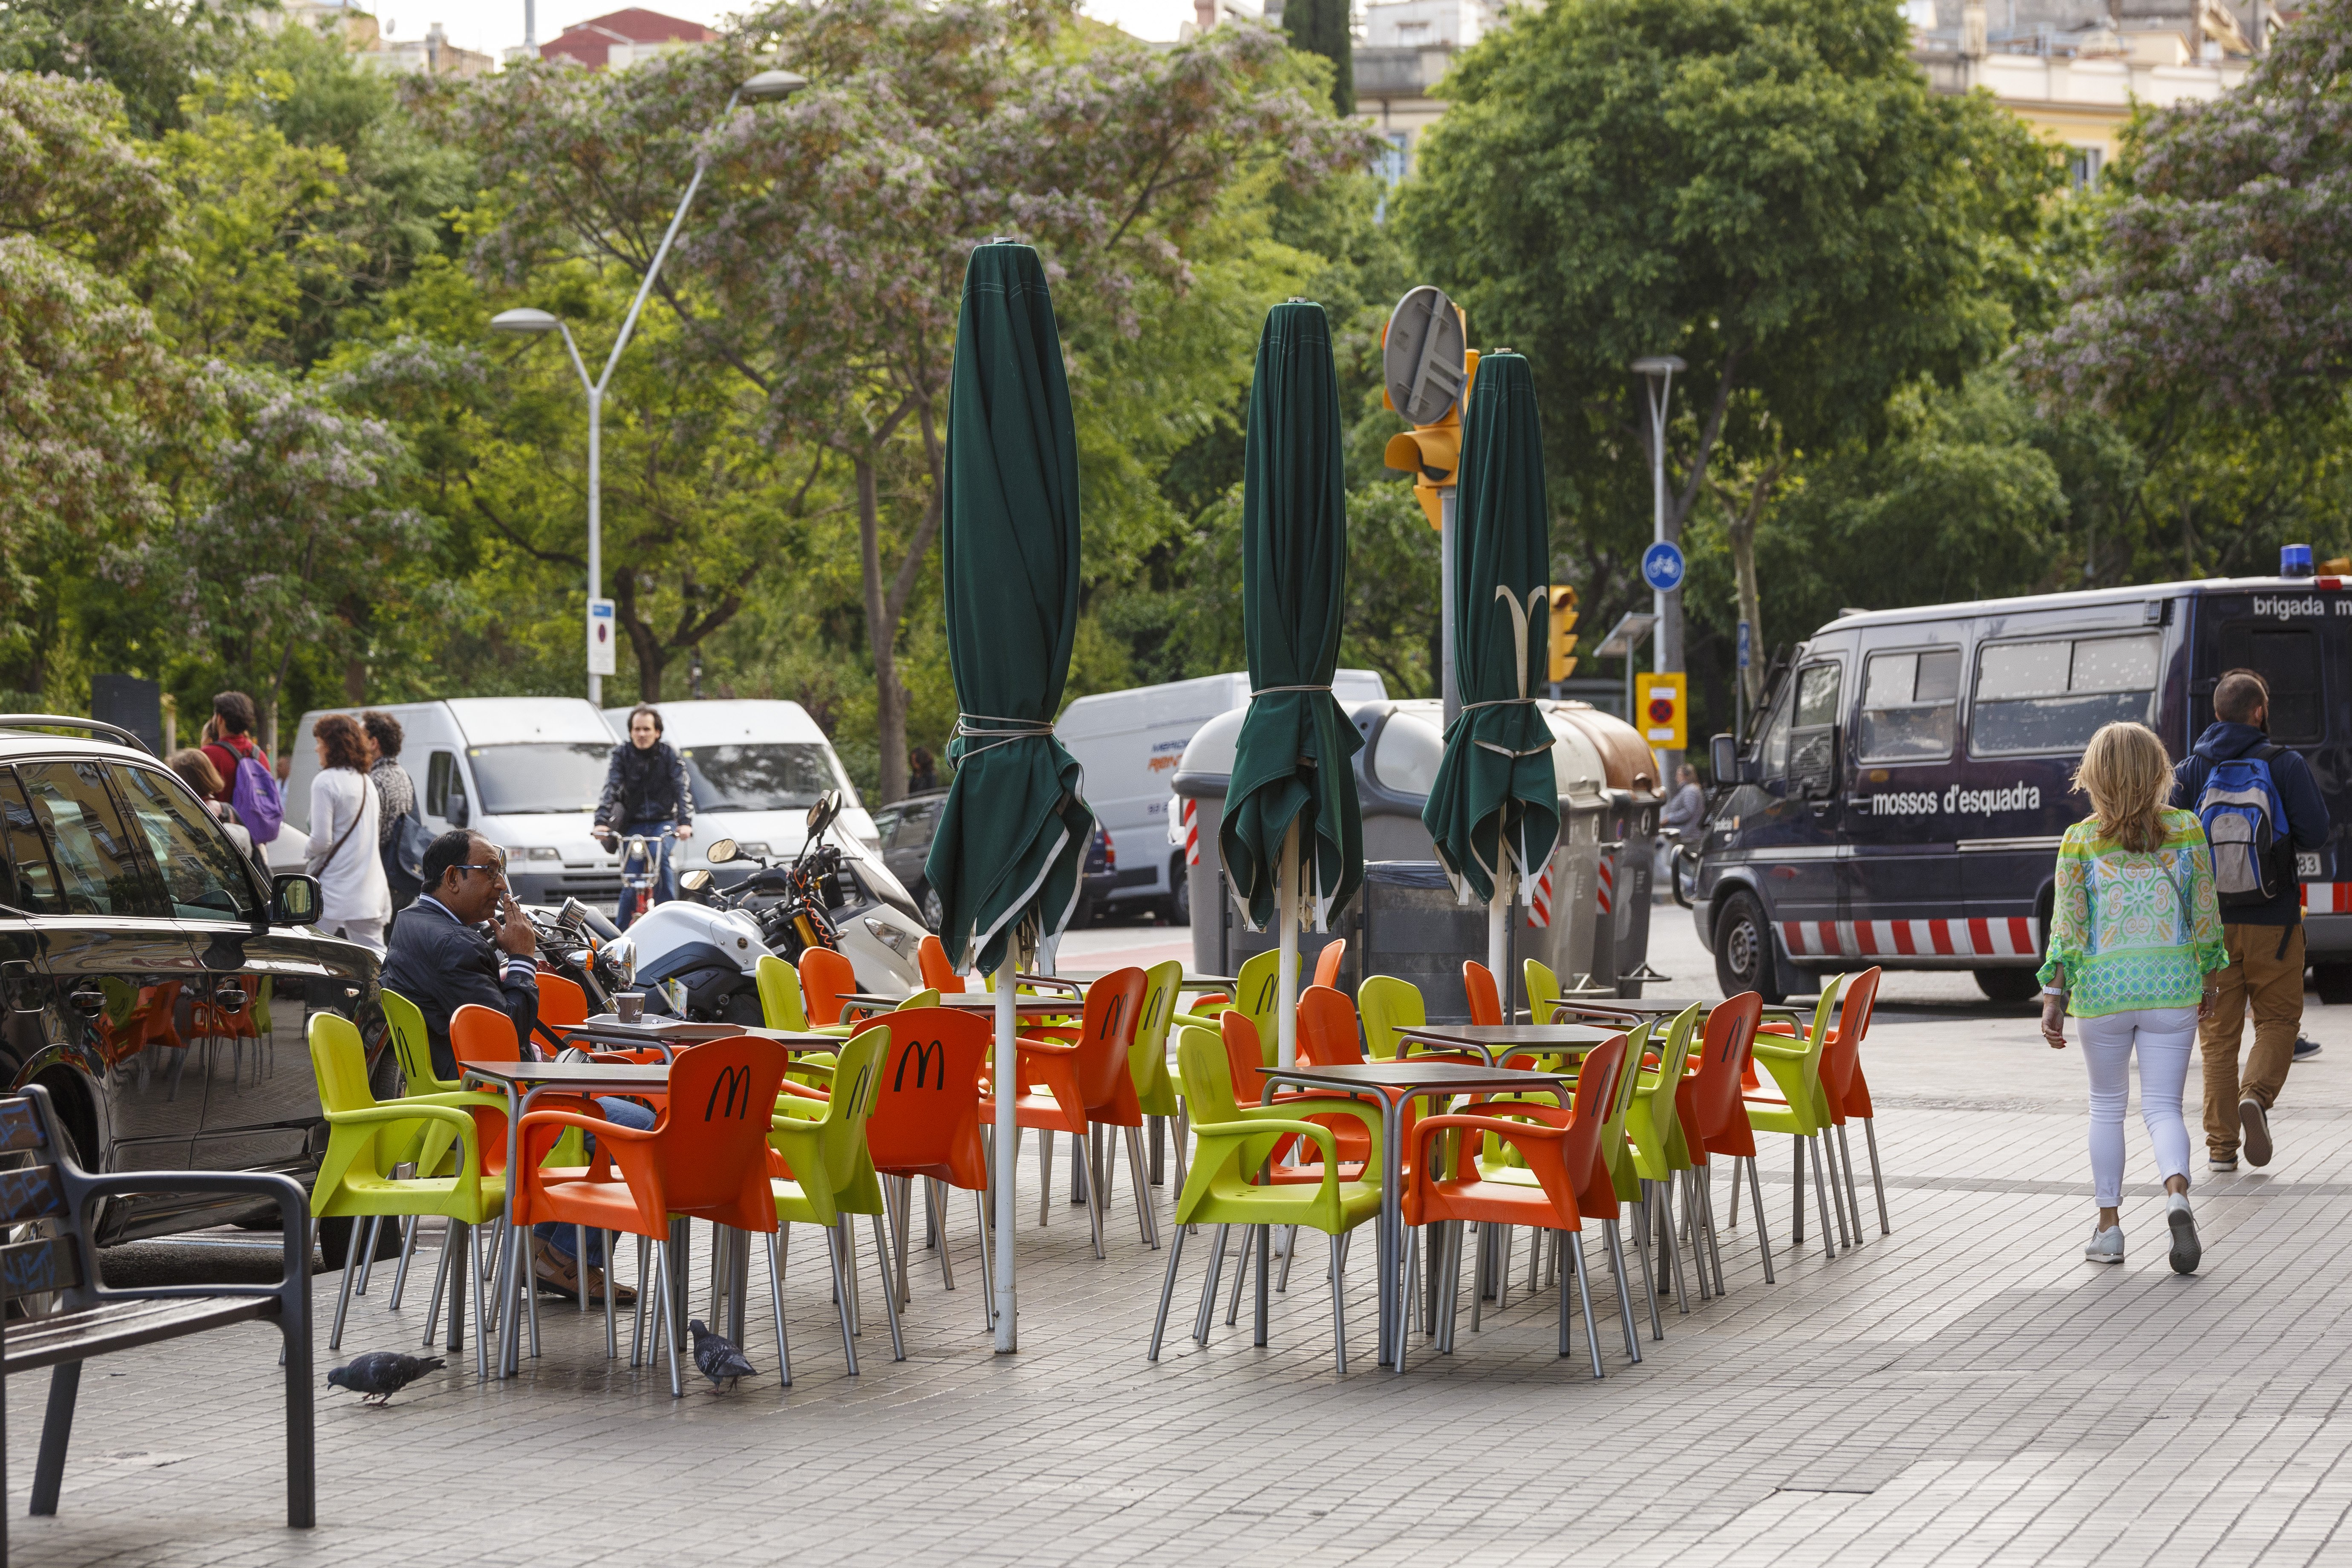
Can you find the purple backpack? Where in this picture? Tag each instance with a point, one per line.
(254, 794)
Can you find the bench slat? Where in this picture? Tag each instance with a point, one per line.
(32, 1193)
(20, 1129)
(120, 1326)
(28, 1268)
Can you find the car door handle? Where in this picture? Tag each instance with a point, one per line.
(230, 997)
(89, 999)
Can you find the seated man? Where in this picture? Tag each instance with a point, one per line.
(440, 960)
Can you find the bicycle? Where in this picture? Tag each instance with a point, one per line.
(645, 857)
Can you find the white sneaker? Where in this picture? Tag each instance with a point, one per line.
(2186, 1249)
(2107, 1246)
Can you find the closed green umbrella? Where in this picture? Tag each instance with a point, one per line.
(1011, 841)
(1292, 773)
(1495, 810)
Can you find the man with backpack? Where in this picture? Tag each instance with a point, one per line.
(248, 786)
(2259, 805)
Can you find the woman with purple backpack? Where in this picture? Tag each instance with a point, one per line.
(247, 782)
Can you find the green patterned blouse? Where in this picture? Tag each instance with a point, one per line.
(2135, 929)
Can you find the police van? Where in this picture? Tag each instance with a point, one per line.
(1899, 798)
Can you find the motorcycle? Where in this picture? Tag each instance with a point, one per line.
(697, 956)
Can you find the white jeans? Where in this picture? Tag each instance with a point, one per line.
(2163, 1035)
(367, 933)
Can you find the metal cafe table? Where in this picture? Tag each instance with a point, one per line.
(1389, 1085)
(977, 1002)
(1487, 1041)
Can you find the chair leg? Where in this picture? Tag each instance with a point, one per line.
(645, 1298)
(449, 1244)
(841, 1298)
(579, 1267)
(1573, 1242)
(1707, 1203)
(407, 1254)
(1503, 1267)
(1690, 1225)
(367, 1252)
(56, 1432)
(1339, 1304)
(1167, 1295)
(1668, 1248)
(1202, 1320)
(1241, 1275)
(1756, 1197)
(1145, 1219)
(935, 1210)
(1821, 1199)
(1649, 1285)
(1183, 1126)
(1797, 1192)
(1877, 1182)
(1045, 1177)
(776, 1298)
(1097, 1206)
(1478, 1274)
(612, 1289)
(1290, 1251)
(671, 1328)
(1616, 1244)
(882, 1251)
(1852, 1193)
(987, 1271)
(343, 1293)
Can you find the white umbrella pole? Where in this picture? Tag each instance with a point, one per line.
(1285, 985)
(1498, 940)
(1008, 1135)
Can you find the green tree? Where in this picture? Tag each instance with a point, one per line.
(1321, 27)
(1763, 188)
(150, 53)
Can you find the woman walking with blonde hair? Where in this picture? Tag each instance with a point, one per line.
(2134, 937)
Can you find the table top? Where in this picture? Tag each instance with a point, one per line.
(1552, 1036)
(978, 1002)
(1631, 1007)
(576, 1075)
(1459, 1077)
(1190, 982)
(612, 1025)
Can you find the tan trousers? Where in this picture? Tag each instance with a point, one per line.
(2271, 983)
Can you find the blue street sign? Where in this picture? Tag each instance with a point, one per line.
(1662, 567)
(1744, 658)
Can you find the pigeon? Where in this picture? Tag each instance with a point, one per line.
(380, 1375)
(721, 1358)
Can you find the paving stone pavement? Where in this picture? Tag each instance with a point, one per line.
(1966, 1390)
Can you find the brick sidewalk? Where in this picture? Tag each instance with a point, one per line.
(1965, 1391)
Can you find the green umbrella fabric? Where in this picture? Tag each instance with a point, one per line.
(1013, 839)
(1495, 796)
(1293, 758)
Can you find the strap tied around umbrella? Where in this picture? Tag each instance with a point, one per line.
(1270, 691)
(996, 732)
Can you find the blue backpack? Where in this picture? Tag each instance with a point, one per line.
(2245, 822)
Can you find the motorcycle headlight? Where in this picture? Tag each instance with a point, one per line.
(620, 960)
(891, 937)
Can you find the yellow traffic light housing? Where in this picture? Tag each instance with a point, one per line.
(1662, 709)
(1563, 633)
(1432, 453)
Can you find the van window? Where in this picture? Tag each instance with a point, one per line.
(1908, 700)
(2288, 659)
(1812, 745)
(441, 780)
(781, 777)
(1775, 750)
(536, 776)
(2054, 695)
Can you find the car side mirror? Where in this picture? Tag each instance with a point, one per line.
(294, 898)
(719, 851)
(1723, 758)
(460, 813)
(694, 881)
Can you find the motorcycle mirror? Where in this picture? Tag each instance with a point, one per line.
(820, 814)
(694, 881)
(720, 851)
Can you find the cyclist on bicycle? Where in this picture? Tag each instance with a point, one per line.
(646, 793)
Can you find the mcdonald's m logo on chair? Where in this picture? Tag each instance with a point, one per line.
(735, 1083)
(923, 1054)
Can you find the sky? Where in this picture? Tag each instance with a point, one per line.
(492, 26)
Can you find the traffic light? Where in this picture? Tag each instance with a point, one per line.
(1426, 370)
(1662, 709)
(1563, 633)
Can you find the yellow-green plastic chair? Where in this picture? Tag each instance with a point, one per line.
(1232, 1144)
(1147, 1058)
(833, 1176)
(1803, 1111)
(1661, 1153)
(1542, 988)
(367, 1139)
(780, 995)
(1386, 1004)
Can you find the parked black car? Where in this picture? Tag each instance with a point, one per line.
(908, 826)
(154, 985)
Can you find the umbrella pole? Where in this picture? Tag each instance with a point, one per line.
(1285, 994)
(1498, 940)
(1008, 1136)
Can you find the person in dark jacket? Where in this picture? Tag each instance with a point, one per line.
(646, 792)
(440, 960)
(2264, 941)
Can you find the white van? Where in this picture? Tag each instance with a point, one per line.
(523, 771)
(1129, 743)
(756, 768)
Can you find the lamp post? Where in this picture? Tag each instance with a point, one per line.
(766, 87)
(1658, 373)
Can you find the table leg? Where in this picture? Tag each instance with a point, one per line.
(681, 1245)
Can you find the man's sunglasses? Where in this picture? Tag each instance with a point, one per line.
(497, 869)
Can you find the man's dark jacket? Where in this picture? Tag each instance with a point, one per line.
(2306, 810)
(441, 965)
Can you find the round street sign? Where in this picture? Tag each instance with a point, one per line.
(1421, 355)
(1662, 567)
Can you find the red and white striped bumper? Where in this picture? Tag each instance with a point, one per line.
(2328, 898)
(2010, 936)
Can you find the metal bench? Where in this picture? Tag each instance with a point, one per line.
(49, 1196)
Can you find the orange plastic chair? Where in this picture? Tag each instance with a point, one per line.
(1087, 1081)
(931, 954)
(706, 1158)
(1552, 1142)
(1328, 962)
(825, 978)
(1849, 1091)
(926, 1121)
(1485, 1002)
(1713, 1117)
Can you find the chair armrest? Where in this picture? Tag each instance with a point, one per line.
(1321, 1137)
(1764, 1048)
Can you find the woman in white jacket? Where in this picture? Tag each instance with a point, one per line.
(355, 900)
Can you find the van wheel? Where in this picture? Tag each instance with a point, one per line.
(1743, 952)
(2007, 984)
(2333, 982)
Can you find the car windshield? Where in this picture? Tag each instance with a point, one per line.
(757, 777)
(539, 777)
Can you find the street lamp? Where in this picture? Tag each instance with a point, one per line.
(1658, 371)
(765, 87)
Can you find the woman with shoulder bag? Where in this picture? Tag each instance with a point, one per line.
(2135, 938)
(354, 901)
